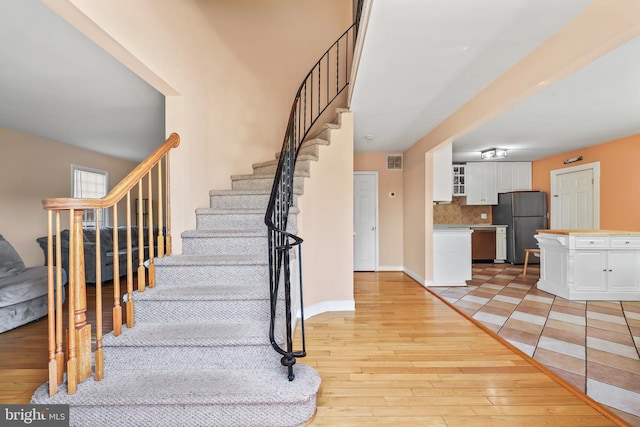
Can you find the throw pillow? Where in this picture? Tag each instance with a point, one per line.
(10, 262)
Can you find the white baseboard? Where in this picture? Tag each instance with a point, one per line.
(414, 276)
(390, 268)
(326, 306)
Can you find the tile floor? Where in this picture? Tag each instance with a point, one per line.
(593, 345)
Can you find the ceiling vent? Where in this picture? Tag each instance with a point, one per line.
(394, 162)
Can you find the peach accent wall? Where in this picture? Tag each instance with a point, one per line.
(34, 169)
(326, 225)
(619, 178)
(390, 241)
(414, 214)
(229, 69)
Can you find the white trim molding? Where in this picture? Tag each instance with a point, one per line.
(414, 276)
(390, 268)
(327, 306)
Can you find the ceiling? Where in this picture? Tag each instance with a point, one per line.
(57, 84)
(419, 68)
(416, 69)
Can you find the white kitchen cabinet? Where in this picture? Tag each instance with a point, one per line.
(623, 270)
(451, 257)
(513, 176)
(459, 186)
(501, 243)
(442, 174)
(590, 270)
(481, 179)
(598, 266)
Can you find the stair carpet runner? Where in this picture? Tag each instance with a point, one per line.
(199, 354)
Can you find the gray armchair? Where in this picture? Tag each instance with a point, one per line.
(23, 291)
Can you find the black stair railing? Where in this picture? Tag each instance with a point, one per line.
(326, 80)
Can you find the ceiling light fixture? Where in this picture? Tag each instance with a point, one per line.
(493, 153)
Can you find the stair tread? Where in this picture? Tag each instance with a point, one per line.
(297, 174)
(318, 140)
(203, 293)
(205, 233)
(192, 387)
(300, 158)
(239, 211)
(209, 260)
(238, 192)
(217, 333)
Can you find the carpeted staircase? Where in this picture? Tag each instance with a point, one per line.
(199, 354)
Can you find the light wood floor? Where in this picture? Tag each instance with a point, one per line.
(403, 358)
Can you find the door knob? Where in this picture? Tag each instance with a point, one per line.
(373, 228)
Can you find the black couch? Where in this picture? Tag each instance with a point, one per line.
(107, 253)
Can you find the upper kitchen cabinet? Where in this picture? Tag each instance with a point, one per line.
(514, 176)
(482, 184)
(459, 186)
(442, 173)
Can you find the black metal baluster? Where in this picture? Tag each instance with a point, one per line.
(281, 242)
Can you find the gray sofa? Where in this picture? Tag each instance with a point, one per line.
(23, 291)
(107, 254)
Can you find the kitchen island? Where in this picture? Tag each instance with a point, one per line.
(590, 264)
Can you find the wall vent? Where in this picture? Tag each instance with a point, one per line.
(394, 162)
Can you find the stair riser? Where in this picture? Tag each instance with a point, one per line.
(245, 221)
(151, 311)
(198, 357)
(239, 201)
(311, 149)
(301, 166)
(264, 184)
(254, 415)
(213, 275)
(224, 245)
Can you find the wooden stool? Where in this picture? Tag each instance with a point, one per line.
(536, 252)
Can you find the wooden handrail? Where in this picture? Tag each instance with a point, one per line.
(79, 331)
(122, 188)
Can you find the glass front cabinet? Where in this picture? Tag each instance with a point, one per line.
(459, 187)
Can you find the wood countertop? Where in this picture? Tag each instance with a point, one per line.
(591, 232)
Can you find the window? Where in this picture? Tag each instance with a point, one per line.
(88, 183)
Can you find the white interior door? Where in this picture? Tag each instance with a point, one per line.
(575, 197)
(365, 221)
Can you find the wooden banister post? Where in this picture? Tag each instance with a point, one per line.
(161, 233)
(150, 233)
(167, 172)
(140, 239)
(53, 363)
(82, 328)
(117, 308)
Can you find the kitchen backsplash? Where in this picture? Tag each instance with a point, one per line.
(455, 213)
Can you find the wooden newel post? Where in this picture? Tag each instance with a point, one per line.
(77, 280)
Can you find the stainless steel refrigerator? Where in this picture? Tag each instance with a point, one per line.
(523, 212)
